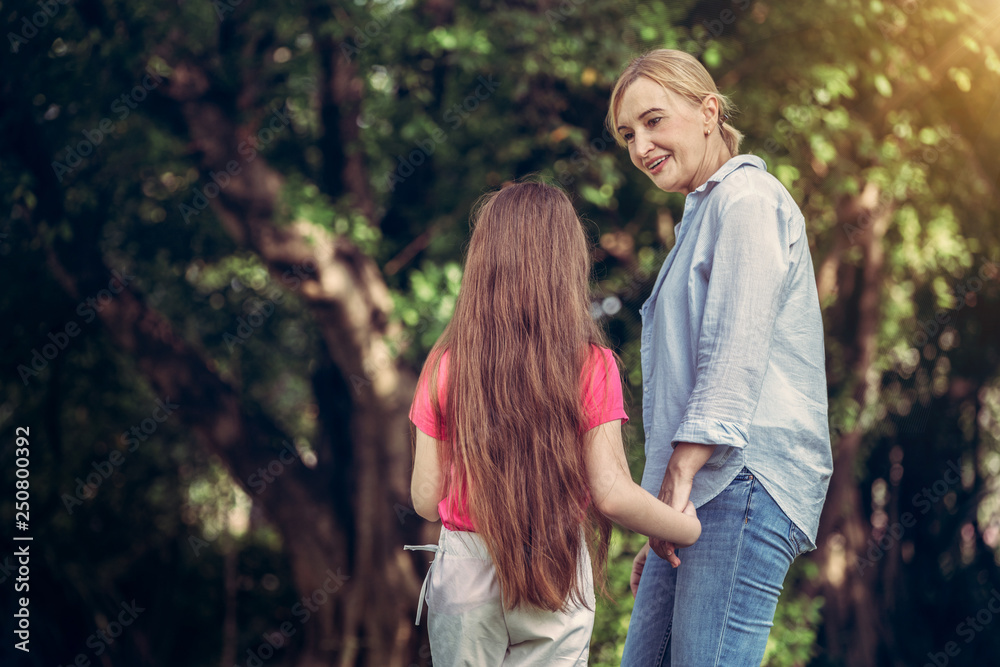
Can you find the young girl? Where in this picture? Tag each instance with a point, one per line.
(518, 446)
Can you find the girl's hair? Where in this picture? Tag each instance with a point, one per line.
(517, 344)
(681, 73)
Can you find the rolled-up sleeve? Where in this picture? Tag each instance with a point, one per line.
(747, 268)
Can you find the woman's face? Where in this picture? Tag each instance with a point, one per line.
(669, 138)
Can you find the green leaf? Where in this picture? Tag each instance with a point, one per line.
(882, 85)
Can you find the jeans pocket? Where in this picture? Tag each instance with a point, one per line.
(797, 539)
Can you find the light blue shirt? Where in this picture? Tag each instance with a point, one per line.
(732, 346)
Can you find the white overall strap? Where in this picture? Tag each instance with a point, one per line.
(423, 589)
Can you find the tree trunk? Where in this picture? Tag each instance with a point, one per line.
(344, 522)
(851, 619)
(345, 292)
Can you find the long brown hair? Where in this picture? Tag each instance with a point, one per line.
(517, 345)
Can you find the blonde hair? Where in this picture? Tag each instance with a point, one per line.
(681, 73)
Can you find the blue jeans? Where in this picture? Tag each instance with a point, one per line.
(717, 608)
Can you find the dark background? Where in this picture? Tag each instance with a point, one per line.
(284, 190)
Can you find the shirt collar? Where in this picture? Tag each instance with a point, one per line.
(731, 165)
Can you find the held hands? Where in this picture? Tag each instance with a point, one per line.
(667, 550)
(639, 562)
(676, 492)
(690, 510)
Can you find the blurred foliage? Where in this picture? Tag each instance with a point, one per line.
(457, 99)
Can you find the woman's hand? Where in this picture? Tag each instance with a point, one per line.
(674, 491)
(637, 566)
(687, 459)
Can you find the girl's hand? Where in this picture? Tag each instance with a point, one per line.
(637, 566)
(665, 550)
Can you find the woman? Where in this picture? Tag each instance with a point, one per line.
(518, 446)
(734, 386)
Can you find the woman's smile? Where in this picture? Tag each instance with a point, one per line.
(656, 165)
(672, 140)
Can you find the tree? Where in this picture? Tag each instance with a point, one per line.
(284, 189)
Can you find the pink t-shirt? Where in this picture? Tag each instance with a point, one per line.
(601, 389)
